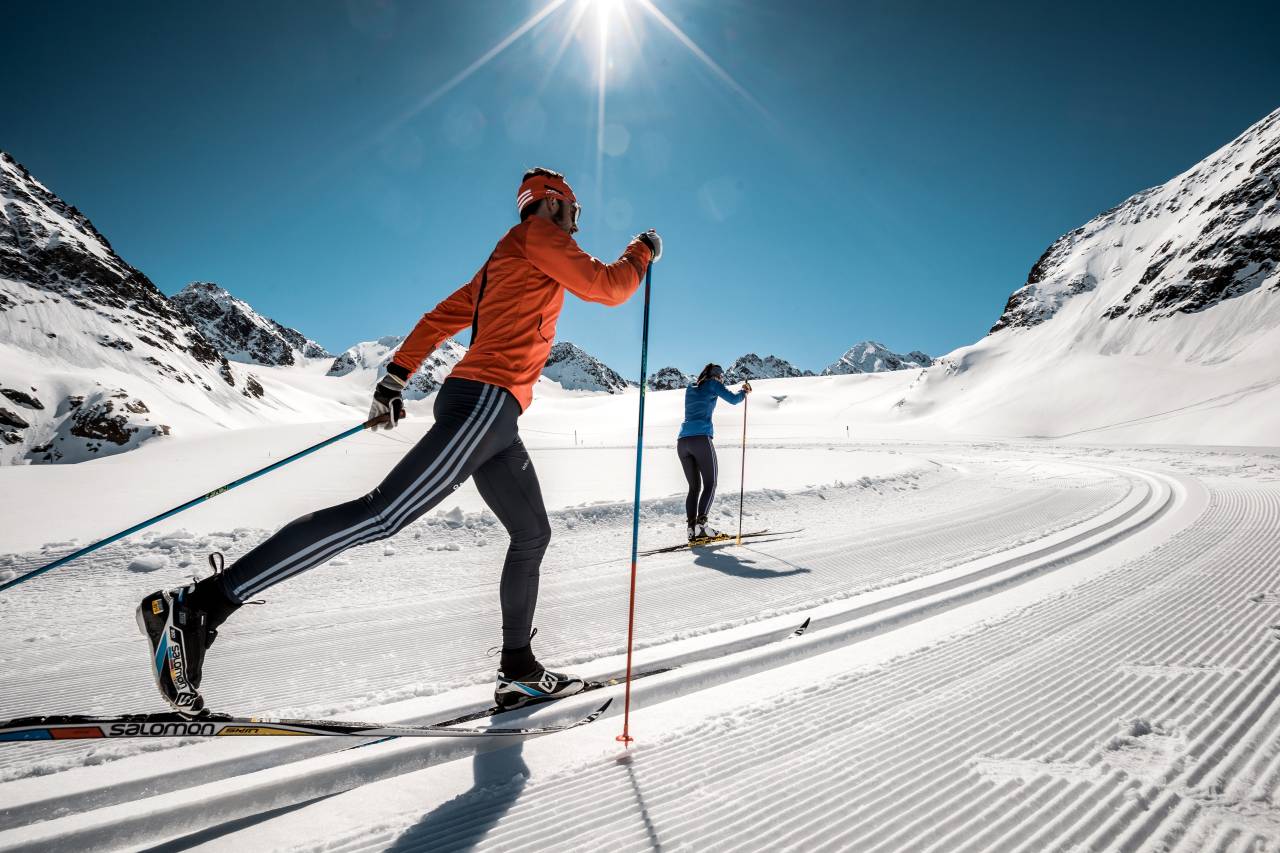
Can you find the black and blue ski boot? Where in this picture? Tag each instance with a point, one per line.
(181, 624)
(538, 684)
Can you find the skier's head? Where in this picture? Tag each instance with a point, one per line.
(547, 194)
(711, 371)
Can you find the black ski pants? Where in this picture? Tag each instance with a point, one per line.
(698, 459)
(475, 435)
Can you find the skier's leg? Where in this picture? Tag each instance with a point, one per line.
(473, 421)
(509, 485)
(709, 467)
(689, 463)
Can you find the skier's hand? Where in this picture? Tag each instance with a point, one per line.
(746, 387)
(651, 239)
(387, 401)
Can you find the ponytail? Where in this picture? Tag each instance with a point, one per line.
(711, 371)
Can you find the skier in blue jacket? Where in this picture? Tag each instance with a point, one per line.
(696, 451)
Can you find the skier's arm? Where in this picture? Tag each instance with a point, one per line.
(556, 254)
(725, 394)
(448, 318)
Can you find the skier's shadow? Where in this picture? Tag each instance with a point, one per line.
(727, 563)
(460, 824)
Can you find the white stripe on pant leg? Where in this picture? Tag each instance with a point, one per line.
(438, 484)
(472, 422)
(457, 463)
(715, 473)
(350, 536)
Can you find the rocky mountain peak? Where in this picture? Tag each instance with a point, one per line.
(239, 332)
(875, 357)
(577, 370)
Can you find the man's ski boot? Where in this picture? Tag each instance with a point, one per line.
(179, 633)
(693, 533)
(541, 685)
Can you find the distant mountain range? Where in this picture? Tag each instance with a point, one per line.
(1171, 297)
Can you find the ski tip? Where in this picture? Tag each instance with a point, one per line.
(804, 627)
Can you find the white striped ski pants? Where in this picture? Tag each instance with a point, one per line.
(475, 435)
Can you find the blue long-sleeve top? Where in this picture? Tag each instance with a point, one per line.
(700, 402)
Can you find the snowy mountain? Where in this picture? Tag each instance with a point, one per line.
(669, 378)
(239, 332)
(873, 357)
(1210, 235)
(577, 370)
(1149, 319)
(373, 356)
(93, 358)
(752, 366)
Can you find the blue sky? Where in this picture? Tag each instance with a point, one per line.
(883, 170)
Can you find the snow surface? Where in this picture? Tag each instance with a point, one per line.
(1015, 645)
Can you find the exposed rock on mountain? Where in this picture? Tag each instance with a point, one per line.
(373, 356)
(71, 311)
(239, 332)
(873, 357)
(752, 366)
(669, 378)
(577, 370)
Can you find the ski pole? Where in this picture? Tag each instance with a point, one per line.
(625, 737)
(742, 477)
(62, 561)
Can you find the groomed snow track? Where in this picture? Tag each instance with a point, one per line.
(1097, 674)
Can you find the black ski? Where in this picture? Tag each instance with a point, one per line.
(591, 685)
(714, 540)
(77, 727)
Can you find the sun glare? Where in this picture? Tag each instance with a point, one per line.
(608, 19)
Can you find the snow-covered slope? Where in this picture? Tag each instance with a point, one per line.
(874, 357)
(1158, 320)
(577, 370)
(368, 360)
(239, 332)
(752, 367)
(93, 358)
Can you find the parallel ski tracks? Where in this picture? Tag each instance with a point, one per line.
(912, 733)
(1047, 688)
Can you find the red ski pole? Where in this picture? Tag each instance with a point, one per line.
(742, 477)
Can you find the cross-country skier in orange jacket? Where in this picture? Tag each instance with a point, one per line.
(512, 305)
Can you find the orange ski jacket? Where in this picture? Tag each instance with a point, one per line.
(513, 302)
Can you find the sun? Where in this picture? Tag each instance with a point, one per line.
(608, 18)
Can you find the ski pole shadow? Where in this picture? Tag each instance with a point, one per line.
(499, 778)
(730, 564)
(628, 763)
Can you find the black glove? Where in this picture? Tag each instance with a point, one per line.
(387, 401)
(651, 239)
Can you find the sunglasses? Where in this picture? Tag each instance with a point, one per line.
(574, 208)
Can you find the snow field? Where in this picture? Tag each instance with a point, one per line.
(1088, 496)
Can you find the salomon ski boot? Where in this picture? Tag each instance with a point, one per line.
(179, 635)
(541, 685)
